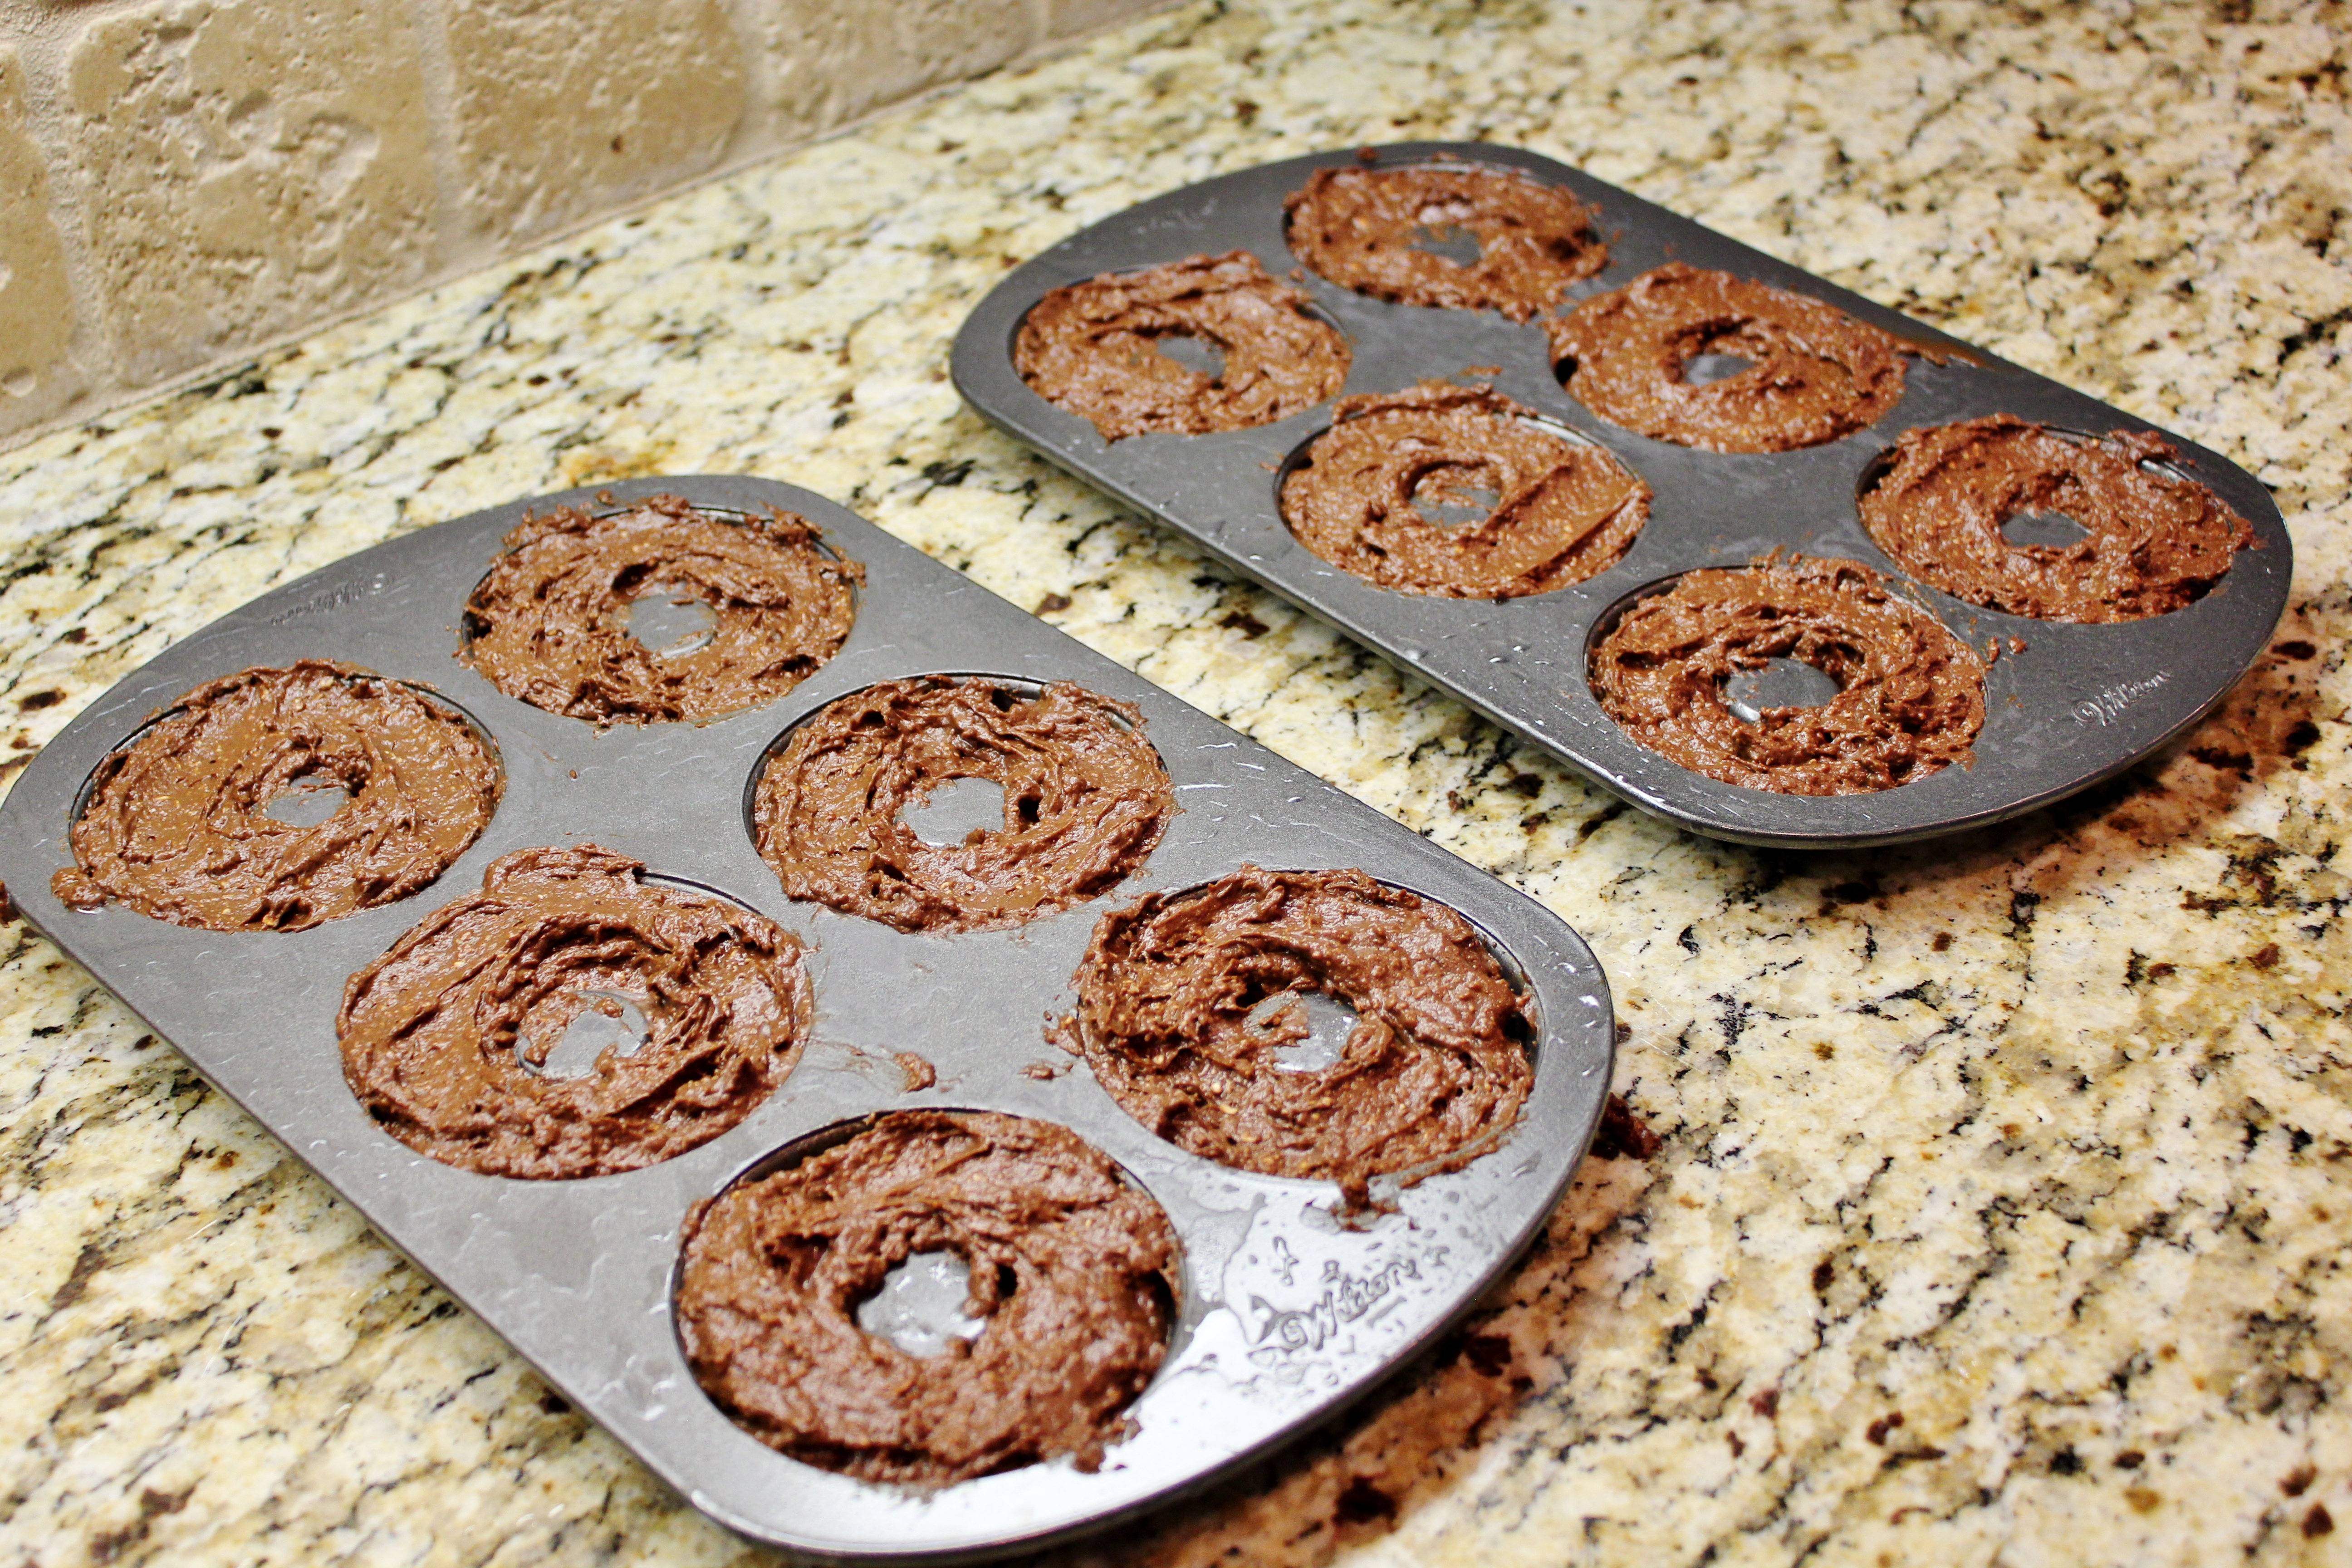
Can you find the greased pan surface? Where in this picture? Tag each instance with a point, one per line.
(1283, 1314)
(2079, 704)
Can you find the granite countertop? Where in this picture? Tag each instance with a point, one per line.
(1997, 1210)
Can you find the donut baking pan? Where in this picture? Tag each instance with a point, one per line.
(1286, 1304)
(2072, 705)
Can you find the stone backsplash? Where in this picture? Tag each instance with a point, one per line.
(183, 181)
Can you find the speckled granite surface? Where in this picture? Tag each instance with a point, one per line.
(2001, 1211)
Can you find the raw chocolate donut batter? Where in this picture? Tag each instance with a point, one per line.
(1168, 1017)
(1566, 510)
(1073, 1276)
(2154, 541)
(1911, 697)
(550, 624)
(446, 1038)
(1092, 348)
(1086, 798)
(1817, 374)
(1355, 226)
(174, 825)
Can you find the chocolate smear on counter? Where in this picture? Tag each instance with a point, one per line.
(1564, 509)
(1085, 799)
(549, 625)
(1911, 696)
(1358, 227)
(1168, 1017)
(1622, 1134)
(1815, 373)
(176, 822)
(1092, 348)
(2153, 540)
(1072, 1275)
(447, 1038)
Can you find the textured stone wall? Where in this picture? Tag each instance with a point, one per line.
(184, 181)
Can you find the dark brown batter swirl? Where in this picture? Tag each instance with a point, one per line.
(1086, 798)
(2154, 541)
(1092, 348)
(1817, 374)
(1073, 1276)
(1911, 698)
(1357, 228)
(1435, 1067)
(174, 825)
(1566, 510)
(447, 1036)
(549, 625)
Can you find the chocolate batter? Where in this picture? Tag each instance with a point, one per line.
(1817, 373)
(2155, 541)
(1073, 1278)
(1566, 510)
(1356, 226)
(174, 825)
(446, 1038)
(1092, 348)
(1912, 695)
(1168, 1019)
(1085, 799)
(549, 625)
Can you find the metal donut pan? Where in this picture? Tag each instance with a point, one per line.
(1287, 1311)
(2080, 704)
